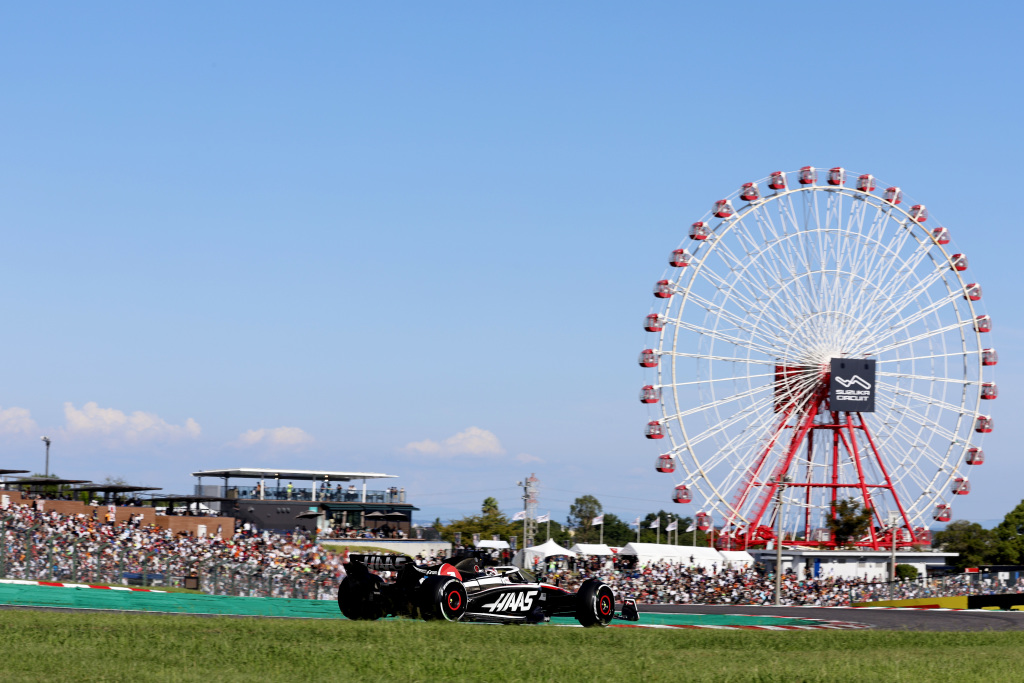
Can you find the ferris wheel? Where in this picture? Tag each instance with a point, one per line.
(817, 339)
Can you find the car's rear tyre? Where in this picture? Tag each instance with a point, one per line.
(442, 598)
(595, 603)
(357, 599)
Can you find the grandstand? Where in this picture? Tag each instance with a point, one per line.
(281, 499)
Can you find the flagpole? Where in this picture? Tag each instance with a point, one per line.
(549, 525)
(637, 529)
(602, 531)
(659, 529)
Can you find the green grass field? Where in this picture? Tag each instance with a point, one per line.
(48, 646)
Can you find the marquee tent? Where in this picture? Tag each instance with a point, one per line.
(737, 559)
(591, 549)
(525, 557)
(646, 553)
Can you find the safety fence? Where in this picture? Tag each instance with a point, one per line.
(956, 585)
(28, 555)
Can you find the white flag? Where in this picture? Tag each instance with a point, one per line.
(690, 528)
(597, 520)
(636, 522)
(545, 517)
(519, 516)
(656, 524)
(672, 527)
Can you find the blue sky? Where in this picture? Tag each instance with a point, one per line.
(340, 236)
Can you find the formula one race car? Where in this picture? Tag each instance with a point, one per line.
(465, 592)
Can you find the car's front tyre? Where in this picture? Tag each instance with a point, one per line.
(595, 603)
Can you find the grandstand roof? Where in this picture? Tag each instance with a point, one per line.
(44, 481)
(263, 473)
(117, 488)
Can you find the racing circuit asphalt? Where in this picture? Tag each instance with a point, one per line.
(882, 619)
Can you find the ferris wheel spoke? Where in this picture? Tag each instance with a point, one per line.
(717, 379)
(919, 315)
(931, 356)
(930, 378)
(894, 307)
(743, 273)
(740, 322)
(921, 398)
(940, 430)
(925, 335)
(729, 359)
(727, 338)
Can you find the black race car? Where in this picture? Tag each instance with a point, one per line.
(464, 591)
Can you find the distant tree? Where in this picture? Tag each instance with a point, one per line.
(975, 544)
(558, 533)
(616, 531)
(848, 521)
(906, 571)
(490, 521)
(1009, 538)
(111, 480)
(581, 516)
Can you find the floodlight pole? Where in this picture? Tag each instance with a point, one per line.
(46, 440)
(781, 481)
(893, 521)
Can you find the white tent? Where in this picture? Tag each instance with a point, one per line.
(737, 559)
(525, 557)
(688, 555)
(493, 545)
(591, 549)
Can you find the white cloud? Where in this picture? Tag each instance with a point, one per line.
(526, 457)
(116, 427)
(470, 441)
(278, 437)
(17, 421)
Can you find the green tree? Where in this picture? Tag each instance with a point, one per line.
(616, 531)
(906, 571)
(1009, 538)
(581, 516)
(559, 534)
(649, 535)
(975, 544)
(848, 521)
(490, 521)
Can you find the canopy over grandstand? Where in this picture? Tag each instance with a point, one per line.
(264, 473)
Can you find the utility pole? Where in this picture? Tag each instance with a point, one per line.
(781, 482)
(46, 440)
(530, 509)
(894, 520)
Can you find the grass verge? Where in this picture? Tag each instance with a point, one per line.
(128, 647)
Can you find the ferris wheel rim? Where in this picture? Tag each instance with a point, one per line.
(696, 473)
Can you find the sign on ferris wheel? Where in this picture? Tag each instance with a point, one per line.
(816, 341)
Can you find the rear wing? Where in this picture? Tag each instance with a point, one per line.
(389, 563)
